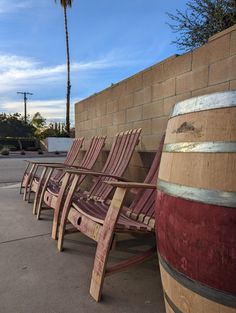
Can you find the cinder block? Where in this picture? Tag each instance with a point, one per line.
(125, 127)
(153, 109)
(87, 125)
(211, 52)
(142, 96)
(107, 120)
(112, 106)
(157, 92)
(119, 117)
(192, 80)
(103, 131)
(233, 43)
(134, 83)
(150, 142)
(145, 125)
(211, 89)
(159, 124)
(148, 76)
(126, 101)
(222, 71)
(101, 108)
(112, 130)
(79, 107)
(87, 134)
(168, 87)
(179, 65)
(96, 123)
(153, 75)
(134, 114)
(83, 116)
(91, 113)
(117, 90)
(163, 89)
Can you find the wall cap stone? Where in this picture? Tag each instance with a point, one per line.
(224, 32)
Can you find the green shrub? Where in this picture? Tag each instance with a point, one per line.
(40, 151)
(57, 152)
(22, 152)
(5, 151)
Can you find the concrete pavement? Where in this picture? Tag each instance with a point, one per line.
(11, 169)
(36, 278)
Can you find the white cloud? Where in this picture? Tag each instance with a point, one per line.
(20, 72)
(7, 6)
(53, 109)
(24, 73)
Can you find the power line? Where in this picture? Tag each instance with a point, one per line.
(25, 101)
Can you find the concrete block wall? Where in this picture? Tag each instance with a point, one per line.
(145, 99)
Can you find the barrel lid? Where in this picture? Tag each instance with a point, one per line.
(212, 101)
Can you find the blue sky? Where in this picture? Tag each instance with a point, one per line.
(109, 41)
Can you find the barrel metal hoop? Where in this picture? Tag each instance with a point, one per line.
(217, 100)
(171, 304)
(205, 147)
(207, 196)
(202, 290)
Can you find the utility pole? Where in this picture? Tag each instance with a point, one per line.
(25, 101)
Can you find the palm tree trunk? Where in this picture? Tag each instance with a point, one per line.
(68, 74)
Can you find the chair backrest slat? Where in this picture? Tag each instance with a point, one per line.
(74, 151)
(90, 156)
(71, 157)
(119, 167)
(143, 203)
(117, 162)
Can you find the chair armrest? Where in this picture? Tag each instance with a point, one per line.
(53, 165)
(93, 173)
(130, 185)
(42, 163)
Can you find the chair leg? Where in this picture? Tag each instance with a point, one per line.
(44, 187)
(65, 212)
(23, 178)
(104, 244)
(37, 194)
(57, 210)
(31, 173)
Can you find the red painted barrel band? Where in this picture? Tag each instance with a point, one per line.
(198, 240)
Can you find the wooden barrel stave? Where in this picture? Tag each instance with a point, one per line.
(217, 125)
(196, 217)
(202, 171)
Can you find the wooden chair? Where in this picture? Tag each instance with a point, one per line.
(101, 220)
(32, 167)
(117, 161)
(53, 180)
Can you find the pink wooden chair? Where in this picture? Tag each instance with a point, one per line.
(48, 181)
(117, 161)
(100, 220)
(32, 168)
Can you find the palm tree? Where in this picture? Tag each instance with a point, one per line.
(65, 4)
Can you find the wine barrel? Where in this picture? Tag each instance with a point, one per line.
(196, 206)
